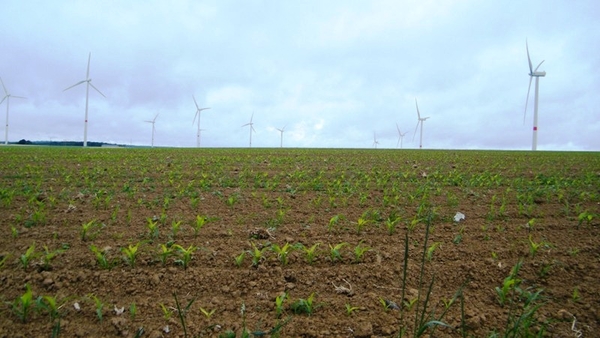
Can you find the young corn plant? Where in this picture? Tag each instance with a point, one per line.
(48, 256)
(282, 252)
(359, 252)
(182, 312)
(279, 300)
(311, 253)
(199, 224)
(208, 313)
(152, 226)
(164, 251)
(334, 252)
(51, 305)
(350, 309)
(99, 306)
(175, 226)
(361, 223)
(239, 259)
(333, 222)
(131, 252)
(431, 250)
(185, 255)
(391, 222)
(305, 306)
(86, 230)
(28, 256)
(257, 255)
(22, 305)
(103, 261)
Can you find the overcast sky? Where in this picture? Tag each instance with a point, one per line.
(333, 73)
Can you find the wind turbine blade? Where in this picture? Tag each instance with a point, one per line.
(536, 68)
(4, 98)
(528, 58)
(251, 117)
(398, 128)
(418, 113)
(77, 84)
(527, 100)
(195, 102)
(5, 91)
(197, 112)
(87, 75)
(155, 117)
(18, 97)
(96, 89)
(415, 133)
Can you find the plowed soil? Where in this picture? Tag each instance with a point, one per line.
(258, 198)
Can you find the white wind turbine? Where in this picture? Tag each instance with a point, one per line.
(251, 128)
(420, 121)
(87, 95)
(152, 121)
(7, 97)
(400, 136)
(533, 73)
(281, 138)
(198, 114)
(375, 142)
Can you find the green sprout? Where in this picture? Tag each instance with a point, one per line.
(239, 259)
(26, 258)
(207, 313)
(199, 224)
(131, 252)
(431, 249)
(86, 228)
(359, 251)
(311, 252)
(101, 258)
(175, 225)
(99, 306)
(305, 306)
(282, 252)
(165, 250)
(257, 255)
(186, 254)
(350, 309)
(334, 251)
(152, 226)
(279, 300)
(21, 306)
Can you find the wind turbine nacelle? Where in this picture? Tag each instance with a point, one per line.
(540, 74)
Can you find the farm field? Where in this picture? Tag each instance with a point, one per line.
(298, 243)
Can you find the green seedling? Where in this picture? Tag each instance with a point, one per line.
(175, 225)
(101, 258)
(21, 306)
(86, 229)
(3, 260)
(584, 217)
(431, 249)
(279, 300)
(409, 304)
(334, 251)
(361, 223)
(165, 250)
(199, 224)
(207, 313)
(51, 305)
(152, 226)
(231, 201)
(509, 284)
(350, 309)
(167, 312)
(311, 252)
(98, 305)
(48, 256)
(185, 254)
(14, 232)
(333, 222)
(390, 224)
(388, 305)
(359, 252)
(26, 258)
(132, 311)
(282, 252)
(257, 255)
(131, 252)
(305, 306)
(239, 259)
(575, 297)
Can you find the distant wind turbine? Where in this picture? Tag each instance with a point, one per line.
(198, 114)
(400, 136)
(533, 73)
(251, 128)
(281, 139)
(7, 97)
(152, 121)
(420, 121)
(375, 142)
(88, 81)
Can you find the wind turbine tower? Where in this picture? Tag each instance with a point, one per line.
(533, 73)
(375, 142)
(198, 114)
(420, 121)
(152, 121)
(7, 97)
(88, 82)
(281, 138)
(400, 136)
(251, 128)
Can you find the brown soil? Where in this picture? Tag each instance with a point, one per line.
(122, 189)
